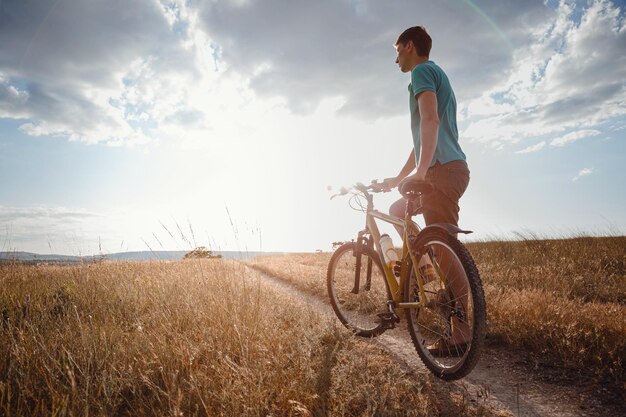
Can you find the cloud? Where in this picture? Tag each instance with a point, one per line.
(533, 148)
(307, 51)
(71, 69)
(45, 228)
(27, 225)
(573, 137)
(11, 214)
(130, 73)
(11, 99)
(570, 77)
(583, 173)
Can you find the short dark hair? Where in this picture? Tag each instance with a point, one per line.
(420, 38)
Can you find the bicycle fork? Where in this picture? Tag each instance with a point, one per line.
(362, 241)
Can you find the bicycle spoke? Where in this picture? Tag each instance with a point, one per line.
(448, 320)
(358, 295)
(442, 336)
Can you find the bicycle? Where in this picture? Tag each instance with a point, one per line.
(435, 281)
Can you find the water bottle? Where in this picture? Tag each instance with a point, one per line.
(389, 253)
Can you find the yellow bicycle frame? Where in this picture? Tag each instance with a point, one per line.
(410, 228)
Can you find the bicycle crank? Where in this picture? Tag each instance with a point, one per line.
(389, 318)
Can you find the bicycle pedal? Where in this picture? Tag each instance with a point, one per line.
(388, 320)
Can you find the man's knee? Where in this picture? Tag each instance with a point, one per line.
(397, 209)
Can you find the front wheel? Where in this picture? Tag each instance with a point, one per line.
(448, 330)
(357, 288)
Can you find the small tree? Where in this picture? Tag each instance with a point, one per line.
(337, 244)
(201, 253)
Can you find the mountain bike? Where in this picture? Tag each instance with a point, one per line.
(435, 281)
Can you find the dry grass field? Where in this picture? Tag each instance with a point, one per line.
(191, 338)
(564, 300)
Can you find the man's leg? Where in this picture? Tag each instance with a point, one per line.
(398, 209)
(441, 206)
(450, 182)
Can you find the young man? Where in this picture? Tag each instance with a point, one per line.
(436, 152)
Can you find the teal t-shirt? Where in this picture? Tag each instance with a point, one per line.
(427, 76)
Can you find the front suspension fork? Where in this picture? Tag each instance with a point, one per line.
(361, 242)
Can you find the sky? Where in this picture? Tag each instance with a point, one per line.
(166, 125)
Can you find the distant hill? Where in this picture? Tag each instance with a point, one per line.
(32, 257)
(123, 256)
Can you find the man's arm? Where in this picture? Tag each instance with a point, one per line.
(429, 126)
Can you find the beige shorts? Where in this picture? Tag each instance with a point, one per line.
(450, 181)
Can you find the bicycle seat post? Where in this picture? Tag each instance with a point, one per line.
(409, 207)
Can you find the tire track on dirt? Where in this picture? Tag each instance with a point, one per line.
(494, 381)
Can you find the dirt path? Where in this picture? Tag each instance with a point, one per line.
(503, 379)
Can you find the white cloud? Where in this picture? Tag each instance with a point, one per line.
(71, 70)
(571, 76)
(151, 74)
(127, 74)
(8, 213)
(11, 97)
(573, 137)
(41, 227)
(533, 148)
(583, 173)
(311, 51)
(77, 231)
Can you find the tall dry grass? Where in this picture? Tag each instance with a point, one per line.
(189, 338)
(584, 268)
(564, 299)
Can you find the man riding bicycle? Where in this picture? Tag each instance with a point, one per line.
(436, 151)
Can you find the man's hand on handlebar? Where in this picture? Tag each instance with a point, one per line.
(387, 185)
(392, 182)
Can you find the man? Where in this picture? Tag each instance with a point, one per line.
(436, 152)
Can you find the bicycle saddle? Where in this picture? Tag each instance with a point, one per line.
(412, 188)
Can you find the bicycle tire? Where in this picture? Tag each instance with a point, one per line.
(357, 312)
(470, 314)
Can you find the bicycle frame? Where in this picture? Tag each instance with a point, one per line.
(411, 229)
(436, 279)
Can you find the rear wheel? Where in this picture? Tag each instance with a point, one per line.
(449, 331)
(356, 295)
